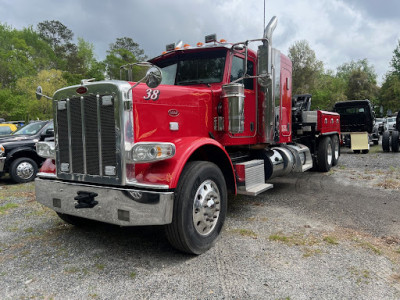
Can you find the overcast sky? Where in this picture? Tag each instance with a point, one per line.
(337, 30)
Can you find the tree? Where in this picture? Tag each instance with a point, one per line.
(361, 79)
(50, 81)
(124, 51)
(12, 105)
(306, 68)
(329, 89)
(395, 63)
(389, 96)
(87, 67)
(60, 39)
(15, 57)
(129, 45)
(360, 86)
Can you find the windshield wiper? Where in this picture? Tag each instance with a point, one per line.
(190, 82)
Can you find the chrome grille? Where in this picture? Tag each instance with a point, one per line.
(86, 135)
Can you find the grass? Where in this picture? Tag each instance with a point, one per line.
(100, 267)
(5, 208)
(330, 240)
(361, 275)
(132, 275)
(295, 239)
(310, 252)
(369, 246)
(278, 238)
(246, 232)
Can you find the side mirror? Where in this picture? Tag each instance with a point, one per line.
(50, 131)
(39, 92)
(153, 77)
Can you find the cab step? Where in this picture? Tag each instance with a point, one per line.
(250, 177)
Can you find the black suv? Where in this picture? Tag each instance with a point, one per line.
(18, 155)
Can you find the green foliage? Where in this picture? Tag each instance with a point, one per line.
(395, 63)
(124, 51)
(390, 92)
(50, 81)
(328, 90)
(12, 105)
(306, 68)
(360, 78)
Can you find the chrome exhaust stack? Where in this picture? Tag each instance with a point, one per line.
(266, 73)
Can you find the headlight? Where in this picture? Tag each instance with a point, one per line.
(149, 152)
(2, 150)
(46, 149)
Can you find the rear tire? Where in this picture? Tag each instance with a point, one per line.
(199, 208)
(324, 154)
(386, 141)
(335, 150)
(395, 141)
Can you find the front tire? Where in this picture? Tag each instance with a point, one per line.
(23, 170)
(199, 208)
(324, 154)
(395, 141)
(386, 141)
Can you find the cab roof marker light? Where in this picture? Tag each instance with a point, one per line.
(186, 46)
(222, 41)
(200, 44)
(211, 38)
(170, 47)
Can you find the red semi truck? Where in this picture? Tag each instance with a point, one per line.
(222, 121)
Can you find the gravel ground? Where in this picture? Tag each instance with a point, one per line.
(314, 236)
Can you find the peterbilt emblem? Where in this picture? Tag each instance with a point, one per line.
(81, 90)
(173, 112)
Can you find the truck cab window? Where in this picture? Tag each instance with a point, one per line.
(237, 72)
(169, 74)
(194, 68)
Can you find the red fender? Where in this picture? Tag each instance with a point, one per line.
(168, 171)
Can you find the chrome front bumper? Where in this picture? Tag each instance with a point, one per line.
(2, 161)
(124, 207)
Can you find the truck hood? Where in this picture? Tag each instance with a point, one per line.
(189, 107)
(15, 138)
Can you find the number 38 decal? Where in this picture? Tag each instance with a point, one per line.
(152, 94)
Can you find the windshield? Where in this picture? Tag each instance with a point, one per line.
(4, 130)
(350, 110)
(193, 68)
(30, 129)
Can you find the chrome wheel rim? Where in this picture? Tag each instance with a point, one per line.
(329, 155)
(206, 207)
(336, 149)
(25, 170)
